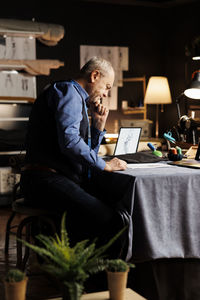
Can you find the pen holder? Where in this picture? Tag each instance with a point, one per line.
(175, 154)
(175, 157)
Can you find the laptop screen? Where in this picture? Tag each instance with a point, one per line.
(128, 140)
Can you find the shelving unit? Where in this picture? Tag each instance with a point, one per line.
(18, 70)
(137, 116)
(19, 67)
(137, 110)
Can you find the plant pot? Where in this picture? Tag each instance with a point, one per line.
(72, 292)
(15, 290)
(117, 282)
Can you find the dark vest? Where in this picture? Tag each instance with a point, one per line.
(42, 140)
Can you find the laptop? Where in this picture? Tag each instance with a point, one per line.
(189, 163)
(127, 142)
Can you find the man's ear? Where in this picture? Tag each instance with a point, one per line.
(95, 75)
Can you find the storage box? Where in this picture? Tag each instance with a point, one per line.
(145, 124)
(17, 47)
(17, 85)
(8, 179)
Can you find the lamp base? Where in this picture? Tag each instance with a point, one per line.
(157, 125)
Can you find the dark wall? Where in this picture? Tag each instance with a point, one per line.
(182, 26)
(156, 38)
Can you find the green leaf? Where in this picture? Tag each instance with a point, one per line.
(64, 234)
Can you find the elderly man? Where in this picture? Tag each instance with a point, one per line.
(62, 148)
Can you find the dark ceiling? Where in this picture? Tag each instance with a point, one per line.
(147, 3)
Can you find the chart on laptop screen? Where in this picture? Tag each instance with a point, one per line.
(128, 140)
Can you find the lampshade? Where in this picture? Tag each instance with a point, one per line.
(193, 91)
(158, 91)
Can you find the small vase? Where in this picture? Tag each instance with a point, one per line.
(117, 282)
(15, 290)
(72, 292)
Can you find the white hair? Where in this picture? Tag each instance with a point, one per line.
(97, 63)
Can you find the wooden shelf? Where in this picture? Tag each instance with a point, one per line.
(7, 99)
(133, 79)
(137, 110)
(20, 33)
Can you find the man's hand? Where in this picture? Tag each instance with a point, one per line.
(115, 164)
(99, 115)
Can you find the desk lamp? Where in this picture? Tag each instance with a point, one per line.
(193, 92)
(196, 48)
(157, 92)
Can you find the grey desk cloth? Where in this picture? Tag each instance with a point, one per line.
(164, 213)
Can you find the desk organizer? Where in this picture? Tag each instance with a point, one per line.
(175, 157)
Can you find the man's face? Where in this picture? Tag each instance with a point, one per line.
(99, 86)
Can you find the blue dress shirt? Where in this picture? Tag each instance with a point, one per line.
(59, 129)
(67, 101)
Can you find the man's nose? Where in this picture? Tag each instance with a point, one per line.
(105, 94)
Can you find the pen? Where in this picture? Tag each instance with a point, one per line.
(153, 148)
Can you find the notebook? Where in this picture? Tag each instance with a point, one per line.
(188, 163)
(127, 142)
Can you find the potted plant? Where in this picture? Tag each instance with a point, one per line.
(15, 283)
(117, 275)
(71, 266)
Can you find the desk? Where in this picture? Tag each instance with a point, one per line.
(129, 295)
(162, 206)
(165, 212)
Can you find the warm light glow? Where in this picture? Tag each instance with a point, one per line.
(111, 137)
(196, 58)
(158, 91)
(192, 93)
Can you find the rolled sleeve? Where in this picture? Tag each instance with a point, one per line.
(97, 137)
(100, 163)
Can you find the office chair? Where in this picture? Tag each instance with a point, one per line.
(33, 222)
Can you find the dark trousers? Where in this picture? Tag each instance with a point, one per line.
(87, 216)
